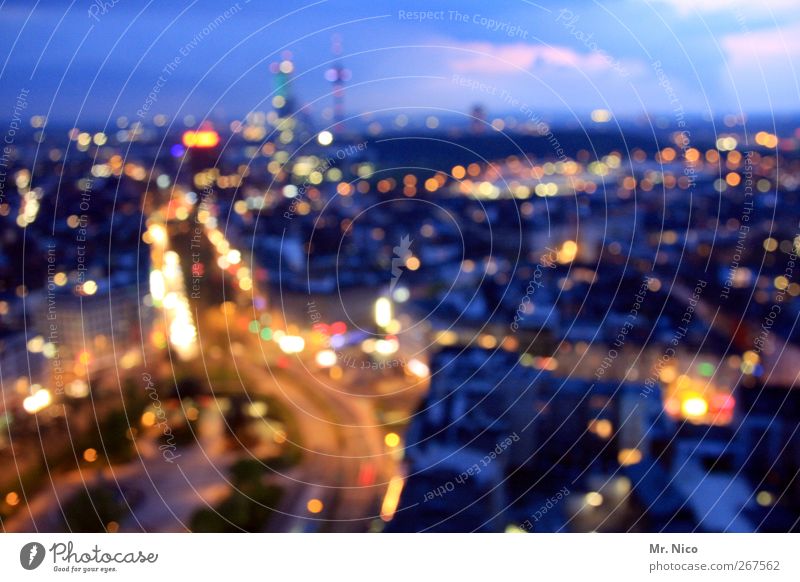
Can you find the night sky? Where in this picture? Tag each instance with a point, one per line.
(565, 58)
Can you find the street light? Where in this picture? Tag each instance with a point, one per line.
(383, 312)
(37, 401)
(291, 344)
(326, 358)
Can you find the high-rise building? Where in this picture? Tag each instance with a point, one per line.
(337, 75)
(283, 100)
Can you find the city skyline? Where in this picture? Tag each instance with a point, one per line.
(723, 58)
(376, 268)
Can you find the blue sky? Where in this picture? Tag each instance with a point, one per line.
(717, 56)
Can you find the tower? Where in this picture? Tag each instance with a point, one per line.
(337, 75)
(283, 100)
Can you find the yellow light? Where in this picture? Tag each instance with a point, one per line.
(602, 428)
(568, 252)
(487, 341)
(314, 506)
(668, 374)
(36, 344)
(601, 116)
(694, 406)
(171, 260)
(148, 419)
(234, 257)
(158, 234)
(418, 368)
(593, 499)
(171, 300)
(751, 357)
(394, 327)
(325, 138)
(157, 286)
(200, 139)
(291, 344)
(386, 347)
(392, 439)
(37, 401)
(667, 154)
(392, 498)
(727, 143)
(326, 358)
(129, 359)
(446, 338)
(383, 312)
(627, 457)
(89, 288)
(765, 498)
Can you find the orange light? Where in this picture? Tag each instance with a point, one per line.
(627, 457)
(202, 138)
(314, 506)
(392, 498)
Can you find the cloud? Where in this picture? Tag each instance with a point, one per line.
(762, 48)
(758, 68)
(736, 7)
(484, 57)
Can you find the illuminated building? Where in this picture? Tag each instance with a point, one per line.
(337, 75)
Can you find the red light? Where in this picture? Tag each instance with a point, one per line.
(202, 138)
(366, 475)
(338, 328)
(723, 402)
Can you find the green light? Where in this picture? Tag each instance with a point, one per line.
(254, 326)
(266, 334)
(706, 369)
